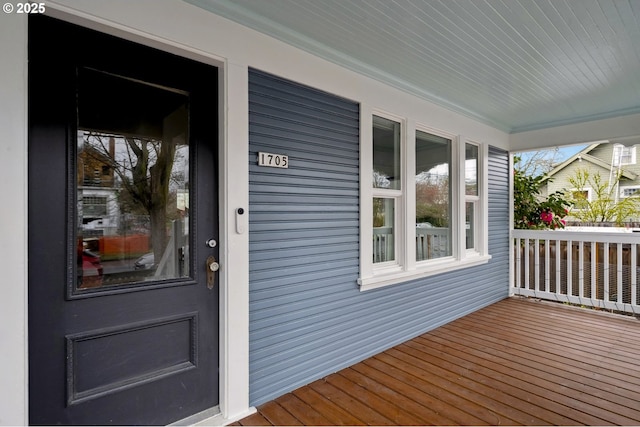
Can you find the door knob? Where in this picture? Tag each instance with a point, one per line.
(212, 267)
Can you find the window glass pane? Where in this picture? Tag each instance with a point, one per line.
(383, 230)
(623, 155)
(433, 196)
(132, 188)
(471, 170)
(580, 199)
(470, 221)
(386, 153)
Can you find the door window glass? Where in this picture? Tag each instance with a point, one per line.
(132, 182)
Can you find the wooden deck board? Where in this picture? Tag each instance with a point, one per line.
(522, 384)
(583, 377)
(516, 362)
(422, 414)
(326, 407)
(498, 387)
(302, 411)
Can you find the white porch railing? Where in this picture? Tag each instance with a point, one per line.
(600, 269)
(431, 242)
(383, 244)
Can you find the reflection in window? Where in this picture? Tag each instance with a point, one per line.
(470, 227)
(472, 198)
(386, 153)
(433, 196)
(132, 182)
(383, 230)
(471, 170)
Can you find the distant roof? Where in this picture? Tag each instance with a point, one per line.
(584, 155)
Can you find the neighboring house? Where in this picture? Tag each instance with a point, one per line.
(275, 216)
(97, 201)
(608, 159)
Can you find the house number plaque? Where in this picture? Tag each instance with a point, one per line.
(273, 160)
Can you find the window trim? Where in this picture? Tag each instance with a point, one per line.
(405, 267)
(398, 195)
(623, 148)
(476, 199)
(589, 191)
(629, 187)
(412, 262)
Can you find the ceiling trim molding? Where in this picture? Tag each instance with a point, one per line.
(619, 127)
(577, 120)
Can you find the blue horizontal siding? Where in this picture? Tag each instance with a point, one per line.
(307, 315)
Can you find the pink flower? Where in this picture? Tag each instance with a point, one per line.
(546, 217)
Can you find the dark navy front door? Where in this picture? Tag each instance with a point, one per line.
(123, 315)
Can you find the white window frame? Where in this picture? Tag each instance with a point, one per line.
(589, 191)
(398, 195)
(630, 187)
(617, 160)
(405, 267)
(475, 199)
(454, 179)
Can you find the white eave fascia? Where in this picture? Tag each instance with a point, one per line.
(580, 154)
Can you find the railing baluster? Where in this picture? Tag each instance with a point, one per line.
(526, 263)
(581, 270)
(536, 262)
(558, 268)
(634, 274)
(594, 272)
(569, 268)
(547, 267)
(619, 275)
(605, 271)
(518, 263)
(375, 248)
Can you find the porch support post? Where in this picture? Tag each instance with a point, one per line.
(513, 270)
(234, 296)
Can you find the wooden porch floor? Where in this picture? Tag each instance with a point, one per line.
(516, 362)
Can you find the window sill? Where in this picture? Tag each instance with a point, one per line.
(386, 278)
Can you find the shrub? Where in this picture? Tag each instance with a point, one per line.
(530, 209)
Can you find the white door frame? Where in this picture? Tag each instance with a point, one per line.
(233, 194)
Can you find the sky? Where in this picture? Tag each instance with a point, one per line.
(570, 151)
(563, 152)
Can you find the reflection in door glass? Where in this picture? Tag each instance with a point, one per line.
(132, 182)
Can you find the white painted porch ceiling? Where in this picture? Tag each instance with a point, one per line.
(514, 64)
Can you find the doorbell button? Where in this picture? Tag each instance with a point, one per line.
(241, 221)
